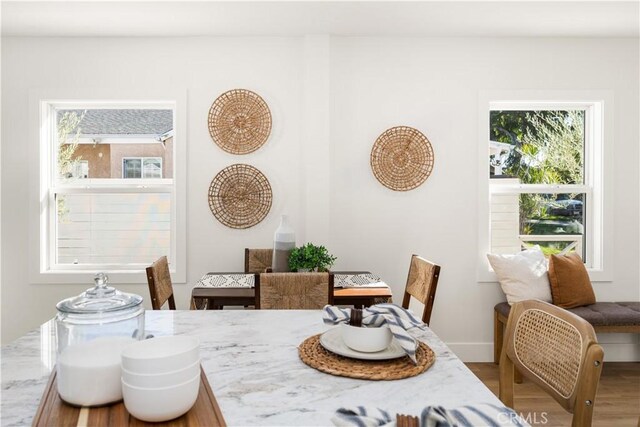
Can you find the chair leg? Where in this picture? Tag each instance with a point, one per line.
(506, 380)
(498, 337)
(517, 376)
(587, 389)
(198, 304)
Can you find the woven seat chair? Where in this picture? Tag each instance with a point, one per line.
(160, 286)
(422, 282)
(257, 260)
(556, 350)
(290, 291)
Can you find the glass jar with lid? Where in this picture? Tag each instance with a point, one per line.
(91, 330)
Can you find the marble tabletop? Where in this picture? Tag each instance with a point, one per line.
(251, 361)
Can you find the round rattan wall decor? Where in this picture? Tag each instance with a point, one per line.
(402, 158)
(240, 196)
(239, 121)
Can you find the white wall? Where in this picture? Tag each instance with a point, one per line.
(204, 69)
(374, 83)
(433, 84)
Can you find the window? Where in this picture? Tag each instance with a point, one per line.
(545, 178)
(107, 221)
(142, 167)
(80, 169)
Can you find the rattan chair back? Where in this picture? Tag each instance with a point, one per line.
(257, 260)
(422, 282)
(558, 351)
(160, 286)
(294, 291)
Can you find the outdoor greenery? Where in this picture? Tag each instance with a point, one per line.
(310, 257)
(68, 135)
(548, 148)
(548, 145)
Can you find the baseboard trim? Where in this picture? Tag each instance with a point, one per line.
(483, 352)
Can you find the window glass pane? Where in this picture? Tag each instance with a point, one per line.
(132, 168)
(80, 169)
(112, 228)
(538, 147)
(553, 221)
(104, 138)
(152, 167)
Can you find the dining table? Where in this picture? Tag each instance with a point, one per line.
(251, 361)
(219, 297)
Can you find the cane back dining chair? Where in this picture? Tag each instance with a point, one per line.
(160, 286)
(291, 291)
(422, 282)
(257, 260)
(556, 350)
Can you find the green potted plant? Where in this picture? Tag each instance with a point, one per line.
(310, 257)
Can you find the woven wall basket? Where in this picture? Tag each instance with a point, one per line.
(402, 158)
(240, 196)
(239, 121)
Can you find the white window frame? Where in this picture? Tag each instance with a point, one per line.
(142, 159)
(598, 106)
(41, 104)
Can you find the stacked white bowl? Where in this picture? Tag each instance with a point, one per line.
(161, 377)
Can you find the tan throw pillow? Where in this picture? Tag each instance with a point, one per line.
(570, 284)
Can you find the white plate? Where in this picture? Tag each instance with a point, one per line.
(332, 341)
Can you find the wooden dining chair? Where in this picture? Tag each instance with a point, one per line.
(160, 287)
(556, 350)
(422, 282)
(257, 260)
(291, 291)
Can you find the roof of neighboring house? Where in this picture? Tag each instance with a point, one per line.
(123, 121)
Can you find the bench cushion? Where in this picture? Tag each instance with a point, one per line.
(598, 314)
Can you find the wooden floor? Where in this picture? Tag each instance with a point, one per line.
(617, 401)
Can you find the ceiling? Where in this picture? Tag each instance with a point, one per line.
(348, 18)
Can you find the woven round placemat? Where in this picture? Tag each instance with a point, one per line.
(315, 355)
(239, 121)
(402, 158)
(240, 196)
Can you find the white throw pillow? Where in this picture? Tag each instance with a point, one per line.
(522, 276)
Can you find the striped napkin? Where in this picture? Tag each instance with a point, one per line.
(399, 320)
(483, 414)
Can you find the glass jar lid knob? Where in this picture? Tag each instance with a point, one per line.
(101, 289)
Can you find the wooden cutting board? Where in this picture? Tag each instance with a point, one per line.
(53, 411)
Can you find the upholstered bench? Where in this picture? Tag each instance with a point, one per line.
(618, 317)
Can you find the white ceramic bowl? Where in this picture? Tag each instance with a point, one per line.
(160, 404)
(161, 355)
(366, 340)
(167, 379)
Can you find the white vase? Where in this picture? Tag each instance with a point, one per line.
(284, 241)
